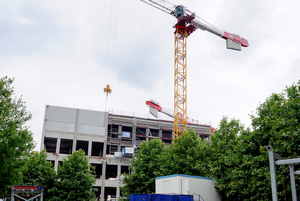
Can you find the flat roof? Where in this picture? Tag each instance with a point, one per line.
(183, 175)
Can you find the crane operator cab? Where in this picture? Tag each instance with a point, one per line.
(180, 12)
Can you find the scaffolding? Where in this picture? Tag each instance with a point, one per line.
(125, 130)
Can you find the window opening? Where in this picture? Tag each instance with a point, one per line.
(97, 149)
(111, 171)
(141, 131)
(126, 128)
(154, 132)
(166, 134)
(112, 149)
(98, 170)
(98, 193)
(82, 145)
(50, 144)
(110, 193)
(66, 146)
(124, 169)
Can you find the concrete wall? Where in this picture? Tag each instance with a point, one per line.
(186, 184)
(69, 120)
(99, 135)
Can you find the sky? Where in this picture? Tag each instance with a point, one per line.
(63, 53)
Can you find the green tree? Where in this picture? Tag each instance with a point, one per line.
(75, 179)
(38, 171)
(187, 155)
(15, 139)
(240, 174)
(145, 167)
(240, 163)
(277, 123)
(225, 158)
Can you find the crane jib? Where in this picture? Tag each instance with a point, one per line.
(236, 39)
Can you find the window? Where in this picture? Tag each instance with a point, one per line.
(66, 146)
(50, 144)
(84, 145)
(97, 149)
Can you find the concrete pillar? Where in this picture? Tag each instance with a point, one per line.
(133, 135)
(119, 172)
(119, 178)
(147, 134)
(103, 180)
(160, 133)
(75, 131)
(42, 144)
(90, 148)
(74, 144)
(56, 165)
(120, 129)
(44, 126)
(118, 193)
(103, 171)
(58, 145)
(104, 161)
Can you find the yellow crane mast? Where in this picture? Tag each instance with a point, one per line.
(180, 83)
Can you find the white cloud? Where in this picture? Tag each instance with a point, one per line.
(31, 29)
(65, 52)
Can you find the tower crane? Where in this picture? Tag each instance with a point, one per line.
(187, 23)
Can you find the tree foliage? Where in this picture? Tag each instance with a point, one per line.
(75, 179)
(186, 156)
(38, 171)
(145, 167)
(277, 123)
(225, 158)
(240, 175)
(15, 139)
(241, 159)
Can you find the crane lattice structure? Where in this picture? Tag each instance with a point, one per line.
(187, 23)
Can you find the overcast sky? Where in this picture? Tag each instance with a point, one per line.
(64, 52)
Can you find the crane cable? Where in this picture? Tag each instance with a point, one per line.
(110, 58)
(114, 41)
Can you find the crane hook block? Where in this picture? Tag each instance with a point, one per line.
(107, 89)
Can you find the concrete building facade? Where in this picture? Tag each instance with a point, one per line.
(103, 136)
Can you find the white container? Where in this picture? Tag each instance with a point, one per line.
(127, 152)
(187, 184)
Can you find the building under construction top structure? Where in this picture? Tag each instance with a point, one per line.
(108, 139)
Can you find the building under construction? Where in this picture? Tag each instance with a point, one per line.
(108, 140)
